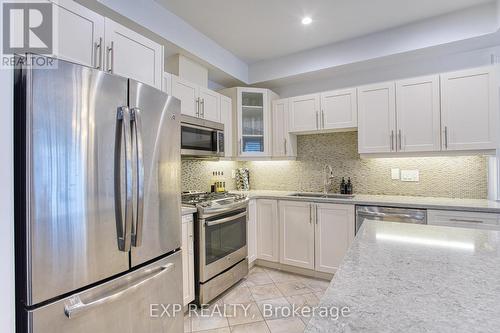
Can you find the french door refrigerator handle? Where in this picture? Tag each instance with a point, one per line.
(123, 219)
(139, 211)
(78, 307)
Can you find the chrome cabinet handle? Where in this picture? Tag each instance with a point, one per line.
(317, 121)
(467, 221)
(202, 108)
(123, 219)
(392, 140)
(284, 140)
(197, 111)
(322, 118)
(139, 162)
(316, 214)
(310, 213)
(400, 140)
(98, 53)
(110, 57)
(77, 306)
(446, 137)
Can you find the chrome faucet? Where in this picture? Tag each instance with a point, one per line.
(328, 177)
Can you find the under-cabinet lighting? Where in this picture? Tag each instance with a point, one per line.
(306, 20)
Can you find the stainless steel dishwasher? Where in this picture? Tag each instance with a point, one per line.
(389, 214)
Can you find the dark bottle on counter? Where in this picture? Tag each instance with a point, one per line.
(348, 186)
(343, 186)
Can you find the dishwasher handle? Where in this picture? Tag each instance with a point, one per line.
(384, 215)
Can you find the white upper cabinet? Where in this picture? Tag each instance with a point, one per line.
(209, 104)
(304, 113)
(267, 230)
(296, 234)
(132, 55)
(376, 118)
(335, 226)
(226, 117)
(469, 109)
(80, 34)
(187, 93)
(418, 114)
(284, 144)
(339, 109)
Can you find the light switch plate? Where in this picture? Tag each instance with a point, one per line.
(395, 173)
(410, 176)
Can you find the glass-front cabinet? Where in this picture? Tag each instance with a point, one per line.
(251, 121)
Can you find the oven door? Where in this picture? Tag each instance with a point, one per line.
(223, 242)
(199, 141)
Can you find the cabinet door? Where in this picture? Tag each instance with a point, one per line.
(226, 117)
(187, 93)
(469, 109)
(279, 110)
(376, 118)
(209, 104)
(304, 113)
(267, 230)
(252, 231)
(339, 109)
(418, 114)
(80, 34)
(254, 128)
(132, 55)
(458, 219)
(296, 234)
(167, 83)
(187, 259)
(334, 234)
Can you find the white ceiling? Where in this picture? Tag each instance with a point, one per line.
(257, 30)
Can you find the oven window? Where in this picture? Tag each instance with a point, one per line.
(199, 139)
(225, 238)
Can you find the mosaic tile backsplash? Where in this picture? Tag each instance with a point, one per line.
(454, 176)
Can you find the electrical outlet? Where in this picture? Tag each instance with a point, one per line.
(233, 174)
(410, 176)
(395, 173)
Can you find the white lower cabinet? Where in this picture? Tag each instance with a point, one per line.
(333, 235)
(459, 219)
(296, 234)
(267, 230)
(252, 231)
(187, 258)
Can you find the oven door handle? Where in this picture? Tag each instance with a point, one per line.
(224, 220)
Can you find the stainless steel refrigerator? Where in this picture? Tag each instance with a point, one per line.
(97, 202)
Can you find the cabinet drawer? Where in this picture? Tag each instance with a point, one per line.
(460, 219)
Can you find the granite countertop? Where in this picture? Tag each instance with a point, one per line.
(473, 205)
(411, 278)
(188, 210)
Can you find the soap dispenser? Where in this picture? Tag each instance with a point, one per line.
(348, 187)
(342, 186)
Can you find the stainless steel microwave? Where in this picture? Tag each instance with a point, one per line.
(201, 138)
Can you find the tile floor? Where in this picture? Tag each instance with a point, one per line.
(261, 286)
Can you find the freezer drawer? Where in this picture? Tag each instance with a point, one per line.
(122, 305)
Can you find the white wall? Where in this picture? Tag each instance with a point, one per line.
(387, 70)
(7, 313)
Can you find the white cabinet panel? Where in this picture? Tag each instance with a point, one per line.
(284, 143)
(187, 258)
(469, 109)
(459, 219)
(226, 117)
(187, 93)
(304, 113)
(79, 34)
(376, 118)
(296, 234)
(418, 114)
(335, 226)
(339, 109)
(267, 230)
(167, 83)
(252, 231)
(132, 55)
(209, 104)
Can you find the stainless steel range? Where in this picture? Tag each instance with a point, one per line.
(220, 241)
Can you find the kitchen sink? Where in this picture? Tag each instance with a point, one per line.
(322, 195)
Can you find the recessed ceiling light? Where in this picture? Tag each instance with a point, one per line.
(306, 20)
